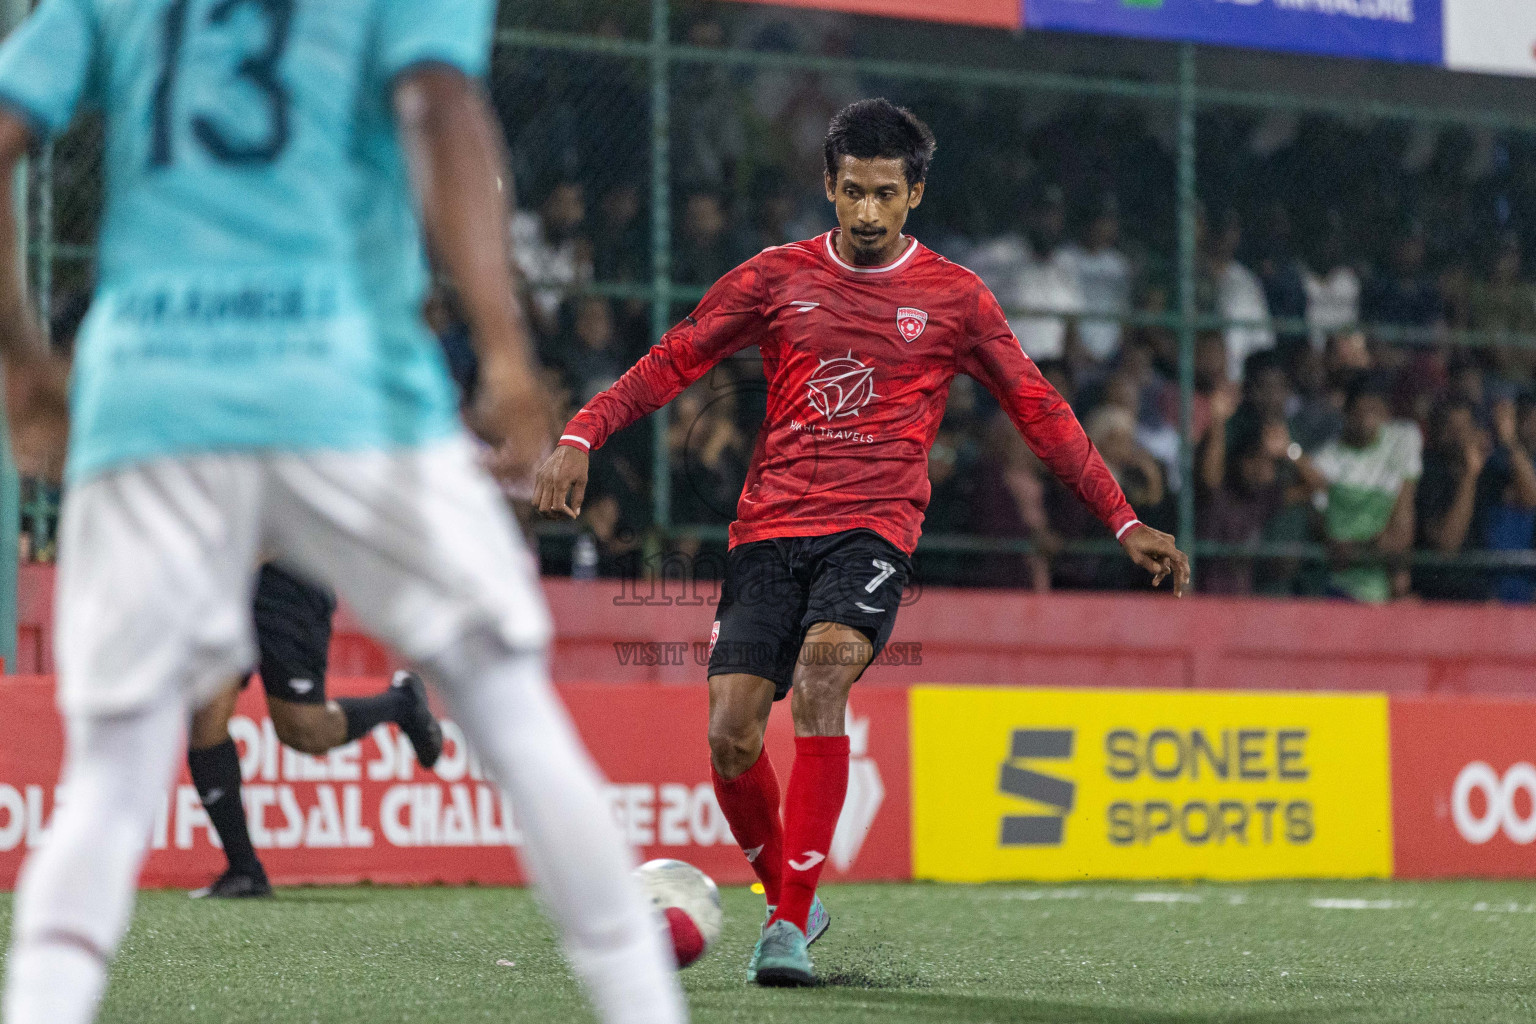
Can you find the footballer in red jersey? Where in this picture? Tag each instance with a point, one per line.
(861, 331)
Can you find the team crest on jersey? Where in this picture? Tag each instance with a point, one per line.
(911, 323)
(841, 387)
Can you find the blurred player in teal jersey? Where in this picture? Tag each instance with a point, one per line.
(254, 380)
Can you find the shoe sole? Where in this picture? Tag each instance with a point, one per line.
(209, 894)
(784, 977)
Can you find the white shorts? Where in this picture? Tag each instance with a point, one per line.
(157, 563)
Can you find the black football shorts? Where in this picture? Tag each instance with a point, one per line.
(776, 590)
(293, 635)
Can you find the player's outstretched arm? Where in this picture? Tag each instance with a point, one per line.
(1043, 417)
(459, 172)
(1158, 553)
(727, 320)
(36, 381)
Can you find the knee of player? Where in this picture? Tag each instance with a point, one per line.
(305, 733)
(207, 731)
(734, 746)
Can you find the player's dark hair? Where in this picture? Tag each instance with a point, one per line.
(879, 129)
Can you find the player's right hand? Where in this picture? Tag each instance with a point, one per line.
(561, 483)
(37, 405)
(1158, 553)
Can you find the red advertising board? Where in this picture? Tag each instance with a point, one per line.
(1463, 788)
(992, 13)
(367, 811)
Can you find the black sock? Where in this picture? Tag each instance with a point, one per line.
(363, 713)
(216, 774)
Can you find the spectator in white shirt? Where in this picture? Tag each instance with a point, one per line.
(1239, 296)
(1033, 273)
(1333, 286)
(552, 256)
(1104, 278)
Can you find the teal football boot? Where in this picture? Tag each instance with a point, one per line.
(782, 959)
(816, 926)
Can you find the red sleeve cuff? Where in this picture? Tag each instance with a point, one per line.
(1124, 525)
(576, 441)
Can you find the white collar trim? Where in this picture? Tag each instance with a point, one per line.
(900, 261)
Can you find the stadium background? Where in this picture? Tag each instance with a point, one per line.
(1183, 234)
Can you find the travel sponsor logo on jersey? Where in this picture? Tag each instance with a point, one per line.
(841, 387)
(1063, 784)
(911, 323)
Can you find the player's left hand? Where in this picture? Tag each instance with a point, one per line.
(1156, 552)
(37, 405)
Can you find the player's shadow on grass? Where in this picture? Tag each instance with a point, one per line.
(317, 895)
(949, 1008)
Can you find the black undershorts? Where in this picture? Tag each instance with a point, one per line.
(293, 635)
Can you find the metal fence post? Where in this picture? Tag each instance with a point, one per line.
(1187, 203)
(661, 241)
(12, 13)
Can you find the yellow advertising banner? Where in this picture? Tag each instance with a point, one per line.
(1055, 785)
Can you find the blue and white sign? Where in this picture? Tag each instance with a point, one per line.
(1397, 30)
(1496, 37)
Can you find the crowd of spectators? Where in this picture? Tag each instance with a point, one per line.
(1337, 281)
(1332, 407)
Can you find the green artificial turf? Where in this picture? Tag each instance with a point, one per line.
(1295, 953)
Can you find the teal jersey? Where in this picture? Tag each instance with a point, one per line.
(260, 264)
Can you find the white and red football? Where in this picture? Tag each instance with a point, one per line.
(689, 901)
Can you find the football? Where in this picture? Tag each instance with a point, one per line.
(689, 901)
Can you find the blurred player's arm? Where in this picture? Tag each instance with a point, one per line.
(1053, 433)
(728, 319)
(36, 382)
(459, 172)
(47, 70)
(21, 338)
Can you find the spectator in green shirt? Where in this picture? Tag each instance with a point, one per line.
(1366, 480)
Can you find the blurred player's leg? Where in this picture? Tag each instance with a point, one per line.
(503, 701)
(214, 763)
(152, 588)
(76, 894)
(423, 549)
(293, 633)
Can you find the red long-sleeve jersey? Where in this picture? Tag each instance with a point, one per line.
(858, 362)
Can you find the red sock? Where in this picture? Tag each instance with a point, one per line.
(818, 784)
(750, 803)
